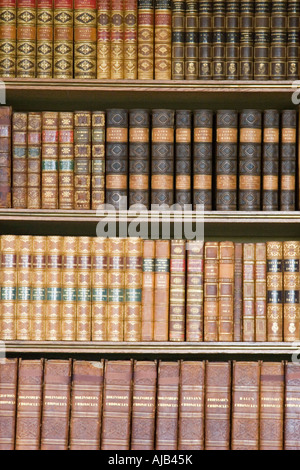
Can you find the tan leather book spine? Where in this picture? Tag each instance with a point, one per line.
(8, 284)
(194, 291)
(291, 429)
(69, 288)
(54, 287)
(116, 288)
(82, 159)
(19, 160)
(8, 402)
(99, 259)
(26, 38)
(191, 406)
(226, 291)
(117, 40)
(148, 287)
(29, 404)
(63, 39)
(274, 291)
(260, 292)
(145, 39)
(5, 156)
(24, 282)
(8, 32)
(34, 139)
(177, 291)
(163, 40)
(211, 290)
(84, 287)
(50, 160)
(38, 311)
(249, 292)
(130, 39)
(103, 38)
(133, 289)
(86, 405)
(162, 290)
(98, 160)
(66, 160)
(44, 36)
(238, 292)
(291, 287)
(56, 404)
(85, 39)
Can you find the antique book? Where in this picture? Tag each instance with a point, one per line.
(26, 38)
(117, 404)
(202, 159)
(162, 164)
(191, 406)
(5, 156)
(148, 287)
(117, 40)
(293, 40)
(262, 44)
(69, 288)
(249, 292)
(54, 287)
(178, 39)
(19, 160)
(82, 159)
(145, 17)
(143, 405)
(219, 40)
(194, 291)
(191, 40)
(270, 160)
(274, 291)
(183, 158)
(86, 405)
(8, 278)
(98, 160)
(133, 289)
(8, 20)
(250, 160)
(99, 258)
(24, 282)
(84, 287)
(217, 405)
(39, 288)
(292, 410)
(260, 292)
(116, 288)
(232, 39)
(211, 291)
(63, 39)
(85, 38)
(49, 160)
(246, 39)
(226, 291)
(44, 38)
(245, 405)
(161, 290)
(163, 40)
(291, 287)
(278, 40)
(116, 174)
(34, 162)
(177, 291)
(103, 38)
(238, 292)
(29, 404)
(226, 160)
(130, 39)
(66, 160)
(288, 150)
(167, 405)
(56, 404)
(205, 39)
(8, 402)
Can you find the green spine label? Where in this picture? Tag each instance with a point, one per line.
(54, 293)
(116, 295)
(8, 293)
(99, 294)
(133, 295)
(84, 294)
(69, 294)
(24, 293)
(38, 293)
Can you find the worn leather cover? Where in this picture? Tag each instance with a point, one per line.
(8, 276)
(178, 39)
(191, 39)
(148, 290)
(270, 167)
(116, 288)
(117, 40)
(85, 38)
(82, 162)
(130, 39)
(226, 291)
(183, 158)
(292, 53)
(260, 292)
(177, 290)
(99, 254)
(194, 291)
(63, 45)
(163, 40)
(238, 292)
(69, 288)
(274, 291)
(292, 409)
(8, 38)
(98, 160)
(133, 289)
(246, 39)
(205, 39)
(44, 39)
(5, 156)
(34, 136)
(145, 39)
(19, 160)
(249, 292)
(202, 159)
(84, 285)
(8, 401)
(39, 288)
(24, 265)
(262, 24)
(50, 160)
(54, 288)
(26, 38)
(66, 160)
(103, 38)
(232, 39)
(288, 158)
(211, 291)
(291, 287)
(162, 290)
(219, 40)
(278, 40)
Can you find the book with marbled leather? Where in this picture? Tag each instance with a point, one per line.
(291, 430)
(8, 402)
(19, 160)
(5, 156)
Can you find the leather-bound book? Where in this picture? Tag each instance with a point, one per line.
(8, 401)
(24, 282)
(34, 152)
(56, 404)
(167, 405)
(117, 404)
(217, 405)
(19, 160)
(26, 38)
(163, 40)
(99, 255)
(148, 290)
(116, 175)
(271, 406)
(183, 158)
(116, 288)
(145, 39)
(143, 405)
(178, 39)
(117, 40)
(270, 165)
(54, 288)
(250, 160)
(274, 291)
(202, 159)
(8, 287)
(226, 160)
(69, 288)
(49, 160)
(293, 39)
(39, 288)
(191, 406)
(205, 39)
(86, 405)
(130, 39)
(66, 160)
(219, 40)
(139, 157)
(44, 36)
(288, 151)
(8, 38)
(85, 38)
(103, 38)
(238, 292)
(246, 39)
(291, 430)
(5, 156)
(84, 287)
(262, 32)
(98, 160)
(191, 40)
(177, 291)
(232, 39)
(162, 290)
(63, 48)
(211, 290)
(133, 289)
(226, 291)
(291, 287)
(278, 40)
(249, 292)
(82, 160)
(194, 291)
(29, 404)
(260, 292)
(162, 171)
(245, 405)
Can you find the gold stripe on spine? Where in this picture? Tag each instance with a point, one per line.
(116, 287)
(7, 38)
(54, 285)
(99, 257)
(24, 283)
(145, 39)
(84, 279)
(98, 160)
(103, 38)
(44, 51)
(117, 39)
(63, 39)
(26, 38)
(163, 40)
(38, 291)
(130, 39)
(85, 40)
(69, 288)
(291, 287)
(133, 289)
(66, 160)
(19, 160)
(8, 284)
(34, 137)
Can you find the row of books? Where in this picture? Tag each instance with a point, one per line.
(150, 39)
(146, 405)
(226, 160)
(91, 288)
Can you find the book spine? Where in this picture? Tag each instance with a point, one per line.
(63, 47)
(8, 32)
(293, 39)
(250, 160)
(84, 287)
(246, 39)
(177, 291)
(194, 291)
(148, 290)
(226, 291)
(249, 292)
(262, 43)
(219, 40)
(162, 174)
(85, 38)
(54, 288)
(29, 404)
(205, 39)
(260, 292)
(69, 288)
(82, 159)
(8, 402)
(130, 39)
(202, 159)
(232, 39)
(191, 40)
(288, 158)
(99, 288)
(211, 290)
(116, 288)
(278, 40)
(191, 406)
(291, 286)
(98, 160)
(24, 282)
(270, 157)
(133, 289)
(8, 287)
(19, 160)
(86, 405)
(26, 38)
(103, 38)
(274, 291)
(145, 39)
(226, 160)
(161, 290)
(34, 138)
(143, 405)
(44, 36)
(183, 158)
(5, 156)
(178, 39)
(163, 40)
(217, 405)
(117, 404)
(117, 158)
(117, 40)
(66, 160)
(39, 288)
(291, 430)
(238, 292)
(49, 160)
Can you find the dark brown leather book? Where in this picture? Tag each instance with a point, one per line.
(293, 39)
(34, 160)
(82, 159)
(288, 151)
(274, 291)
(178, 39)
(191, 40)
(249, 292)
(194, 291)
(246, 39)
(278, 40)
(202, 159)
(49, 160)
(219, 40)
(226, 291)
(270, 165)
(5, 156)
(232, 39)
(162, 290)
(148, 290)
(177, 291)
(66, 160)
(238, 292)
(98, 160)
(8, 402)
(262, 32)
(205, 39)
(19, 160)
(291, 429)
(291, 286)
(183, 158)
(260, 292)
(211, 290)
